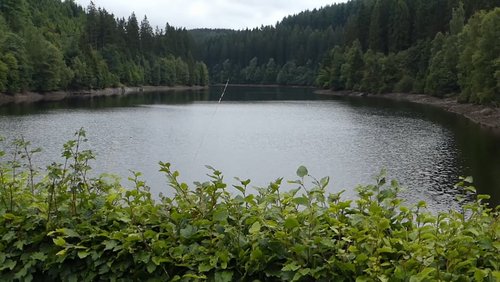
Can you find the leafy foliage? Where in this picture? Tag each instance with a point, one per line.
(64, 225)
(479, 64)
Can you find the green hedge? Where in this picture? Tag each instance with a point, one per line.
(63, 225)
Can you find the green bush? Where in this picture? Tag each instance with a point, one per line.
(63, 225)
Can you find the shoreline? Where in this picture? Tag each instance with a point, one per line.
(262, 85)
(33, 97)
(487, 117)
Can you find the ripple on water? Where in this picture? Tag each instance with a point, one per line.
(260, 140)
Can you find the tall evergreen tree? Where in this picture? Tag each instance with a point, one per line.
(457, 20)
(91, 28)
(132, 35)
(399, 37)
(146, 36)
(379, 26)
(15, 13)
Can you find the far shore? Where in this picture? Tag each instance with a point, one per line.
(31, 97)
(262, 85)
(486, 116)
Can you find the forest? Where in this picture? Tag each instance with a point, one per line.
(441, 48)
(370, 45)
(48, 45)
(462, 63)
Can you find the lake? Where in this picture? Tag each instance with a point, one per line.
(265, 133)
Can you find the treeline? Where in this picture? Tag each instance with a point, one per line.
(462, 62)
(48, 45)
(297, 44)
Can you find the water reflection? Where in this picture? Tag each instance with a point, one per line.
(264, 133)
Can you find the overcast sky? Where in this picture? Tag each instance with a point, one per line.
(235, 14)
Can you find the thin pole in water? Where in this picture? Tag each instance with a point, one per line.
(210, 120)
(223, 92)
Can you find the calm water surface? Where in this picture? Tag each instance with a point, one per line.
(266, 133)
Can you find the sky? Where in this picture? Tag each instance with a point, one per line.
(233, 14)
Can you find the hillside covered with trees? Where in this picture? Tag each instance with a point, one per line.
(48, 45)
(415, 44)
(440, 47)
(463, 62)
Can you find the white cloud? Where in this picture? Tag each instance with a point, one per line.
(235, 14)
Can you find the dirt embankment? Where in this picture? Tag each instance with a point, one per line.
(30, 97)
(486, 116)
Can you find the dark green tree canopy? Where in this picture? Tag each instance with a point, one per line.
(48, 45)
(462, 62)
(384, 26)
(91, 48)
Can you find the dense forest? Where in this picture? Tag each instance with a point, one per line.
(378, 46)
(48, 45)
(439, 47)
(463, 62)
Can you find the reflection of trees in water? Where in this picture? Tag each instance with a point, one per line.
(462, 148)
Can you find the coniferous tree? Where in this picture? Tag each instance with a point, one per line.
(379, 26)
(15, 13)
(399, 37)
(457, 20)
(132, 35)
(146, 36)
(91, 28)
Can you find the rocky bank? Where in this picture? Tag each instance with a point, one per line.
(486, 116)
